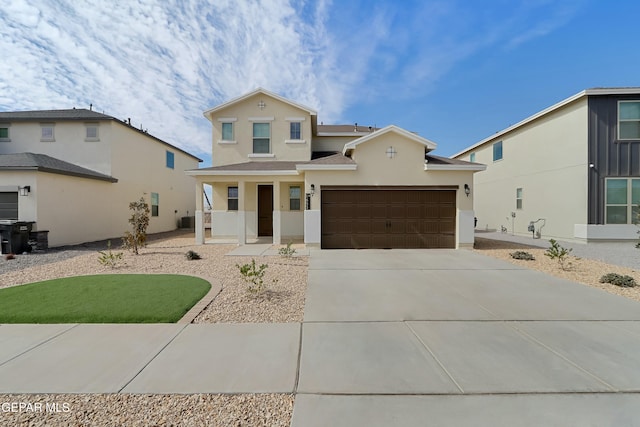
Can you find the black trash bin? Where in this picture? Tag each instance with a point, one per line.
(14, 236)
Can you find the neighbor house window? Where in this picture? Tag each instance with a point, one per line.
(497, 151)
(155, 204)
(629, 120)
(227, 131)
(261, 138)
(472, 157)
(518, 198)
(170, 160)
(4, 133)
(47, 133)
(294, 198)
(295, 130)
(91, 132)
(622, 199)
(232, 198)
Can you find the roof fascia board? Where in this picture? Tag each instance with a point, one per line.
(207, 113)
(327, 167)
(529, 119)
(391, 128)
(430, 167)
(198, 172)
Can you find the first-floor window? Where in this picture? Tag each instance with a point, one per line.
(622, 199)
(518, 198)
(294, 198)
(155, 204)
(232, 198)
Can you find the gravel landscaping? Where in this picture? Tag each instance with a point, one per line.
(286, 280)
(582, 270)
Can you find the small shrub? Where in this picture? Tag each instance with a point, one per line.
(253, 276)
(192, 255)
(109, 258)
(287, 252)
(137, 237)
(618, 280)
(559, 253)
(522, 255)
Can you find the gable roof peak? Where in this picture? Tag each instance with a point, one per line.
(259, 90)
(350, 146)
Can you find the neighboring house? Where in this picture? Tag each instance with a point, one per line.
(77, 171)
(279, 174)
(571, 171)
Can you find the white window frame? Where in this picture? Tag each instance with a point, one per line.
(88, 126)
(299, 120)
(156, 205)
(253, 138)
(299, 199)
(233, 198)
(629, 205)
(231, 120)
(519, 198)
(6, 126)
(620, 138)
(44, 138)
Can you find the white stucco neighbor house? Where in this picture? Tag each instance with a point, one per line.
(74, 172)
(278, 174)
(570, 171)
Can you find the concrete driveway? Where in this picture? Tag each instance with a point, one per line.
(454, 338)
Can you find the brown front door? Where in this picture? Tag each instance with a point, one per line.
(388, 218)
(265, 210)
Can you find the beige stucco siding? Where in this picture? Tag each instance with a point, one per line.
(69, 144)
(279, 114)
(139, 164)
(374, 167)
(547, 158)
(332, 143)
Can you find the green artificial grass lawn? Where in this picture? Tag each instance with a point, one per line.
(107, 298)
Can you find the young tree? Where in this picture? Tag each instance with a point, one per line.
(137, 238)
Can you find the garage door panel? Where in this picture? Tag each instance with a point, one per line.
(388, 218)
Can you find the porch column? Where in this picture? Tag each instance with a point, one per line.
(199, 215)
(277, 229)
(242, 220)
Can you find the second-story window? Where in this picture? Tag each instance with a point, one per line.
(295, 130)
(4, 133)
(91, 132)
(227, 131)
(261, 138)
(47, 134)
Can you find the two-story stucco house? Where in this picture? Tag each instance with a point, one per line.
(74, 172)
(280, 175)
(571, 171)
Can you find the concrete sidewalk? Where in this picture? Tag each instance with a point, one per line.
(447, 338)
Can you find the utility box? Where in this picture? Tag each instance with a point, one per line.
(188, 222)
(14, 236)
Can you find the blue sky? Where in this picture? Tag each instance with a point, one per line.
(453, 71)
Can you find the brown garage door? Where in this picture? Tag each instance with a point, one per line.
(384, 217)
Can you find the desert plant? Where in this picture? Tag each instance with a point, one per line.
(253, 276)
(287, 252)
(108, 258)
(192, 255)
(522, 255)
(619, 280)
(137, 237)
(559, 253)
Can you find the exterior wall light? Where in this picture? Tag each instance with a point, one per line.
(24, 191)
(313, 189)
(467, 190)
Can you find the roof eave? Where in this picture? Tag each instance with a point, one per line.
(350, 167)
(474, 168)
(207, 113)
(202, 172)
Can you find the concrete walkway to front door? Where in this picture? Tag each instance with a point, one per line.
(454, 338)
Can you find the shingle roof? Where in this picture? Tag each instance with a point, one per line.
(44, 163)
(438, 160)
(345, 129)
(80, 114)
(72, 114)
(329, 158)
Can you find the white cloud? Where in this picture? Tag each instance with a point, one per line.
(162, 63)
